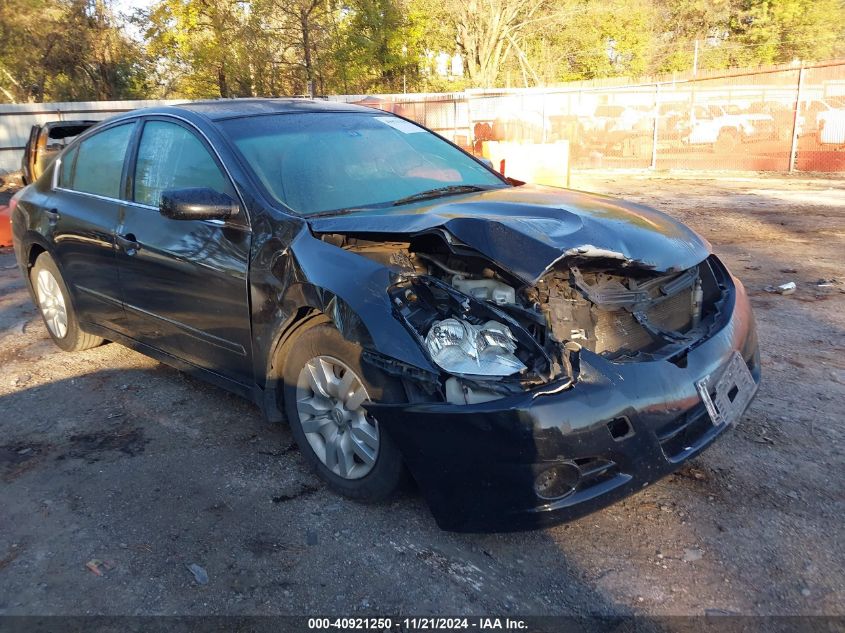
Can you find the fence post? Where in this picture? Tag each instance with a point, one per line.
(470, 130)
(793, 150)
(543, 140)
(654, 130)
(454, 119)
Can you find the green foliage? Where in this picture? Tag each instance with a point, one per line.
(78, 49)
(67, 50)
(587, 40)
(775, 31)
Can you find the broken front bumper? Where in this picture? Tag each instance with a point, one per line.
(620, 428)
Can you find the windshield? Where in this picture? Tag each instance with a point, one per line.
(320, 161)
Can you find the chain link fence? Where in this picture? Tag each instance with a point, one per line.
(783, 118)
(774, 119)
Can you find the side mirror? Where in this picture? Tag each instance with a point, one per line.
(487, 162)
(196, 204)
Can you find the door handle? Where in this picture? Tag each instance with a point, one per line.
(128, 243)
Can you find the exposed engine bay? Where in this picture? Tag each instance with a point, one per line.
(493, 334)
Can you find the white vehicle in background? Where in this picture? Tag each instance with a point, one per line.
(725, 127)
(616, 118)
(617, 130)
(830, 121)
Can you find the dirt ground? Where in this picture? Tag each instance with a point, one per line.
(109, 456)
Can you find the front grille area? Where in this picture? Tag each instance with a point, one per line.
(617, 330)
(626, 316)
(675, 313)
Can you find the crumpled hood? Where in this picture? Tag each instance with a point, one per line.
(527, 229)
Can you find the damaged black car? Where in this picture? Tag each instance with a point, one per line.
(525, 354)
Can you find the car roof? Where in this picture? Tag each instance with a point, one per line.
(217, 109)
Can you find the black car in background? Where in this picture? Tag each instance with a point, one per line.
(527, 354)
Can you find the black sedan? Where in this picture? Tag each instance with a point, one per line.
(525, 354)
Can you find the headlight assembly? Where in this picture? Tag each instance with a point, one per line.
(460, 347)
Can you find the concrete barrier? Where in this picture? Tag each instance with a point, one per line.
(538, 163)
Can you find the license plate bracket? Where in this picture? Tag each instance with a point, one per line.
(727, 394)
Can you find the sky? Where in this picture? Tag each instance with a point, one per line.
(126, 7)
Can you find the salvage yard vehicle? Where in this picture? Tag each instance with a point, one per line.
(527, 354)
(45, 142)
(726, 126)
(618, 130)
(830, 122)
(783, 115)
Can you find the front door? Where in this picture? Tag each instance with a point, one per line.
(184, 282)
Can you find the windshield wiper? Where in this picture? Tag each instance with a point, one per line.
(333, 212)
(439, 192)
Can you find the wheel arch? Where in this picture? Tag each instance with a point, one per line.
(312, 281)
(306, 307)
(34, 244)
(314, 306)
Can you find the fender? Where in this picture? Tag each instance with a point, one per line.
(312, 277)
(349, 289)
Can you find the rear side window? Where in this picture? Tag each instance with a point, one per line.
(99, 162)
(66, 173)
(172, 157)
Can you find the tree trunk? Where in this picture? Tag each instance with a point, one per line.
(222, 84)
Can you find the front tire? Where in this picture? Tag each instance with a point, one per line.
(54, 302)
(325, 385)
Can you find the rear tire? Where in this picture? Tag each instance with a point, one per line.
(340, 441)
(53, 300)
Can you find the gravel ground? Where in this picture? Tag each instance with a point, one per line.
(109, 456)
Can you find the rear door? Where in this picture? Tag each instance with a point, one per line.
(83, 213)
(184, 282)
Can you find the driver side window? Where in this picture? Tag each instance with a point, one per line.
(172, 157)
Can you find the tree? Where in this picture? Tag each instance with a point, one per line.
(66, 50)
(77, 49)
(379, 44)
(297, 28)
(688, 21)
(776, 31)
(487, 31)
(587, 40)
(200, 44)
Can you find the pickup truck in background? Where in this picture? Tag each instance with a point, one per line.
(725, 127)
(45, 142)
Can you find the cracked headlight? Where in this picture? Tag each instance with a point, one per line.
(480, 350)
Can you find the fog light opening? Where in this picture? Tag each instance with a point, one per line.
(620, 428)
(557, 481)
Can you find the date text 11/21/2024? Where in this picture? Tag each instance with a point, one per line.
(430, 623)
